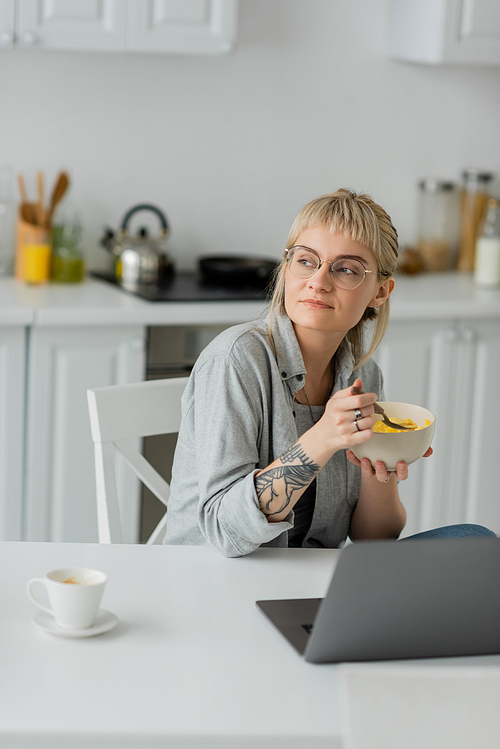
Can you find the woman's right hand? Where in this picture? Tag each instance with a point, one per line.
(347, 419)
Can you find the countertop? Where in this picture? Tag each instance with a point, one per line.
(443, 296)
(96, 302)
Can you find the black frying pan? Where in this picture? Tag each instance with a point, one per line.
(228, 270)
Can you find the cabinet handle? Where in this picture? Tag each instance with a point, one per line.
(6, 39)
(30, 38)
(468, 335)
(450, 335)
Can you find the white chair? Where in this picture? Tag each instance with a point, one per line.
(119, 415)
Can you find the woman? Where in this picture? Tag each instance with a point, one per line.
(269, 415)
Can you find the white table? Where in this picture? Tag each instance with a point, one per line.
(193, 663)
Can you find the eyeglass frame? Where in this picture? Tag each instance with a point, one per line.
(322, 262)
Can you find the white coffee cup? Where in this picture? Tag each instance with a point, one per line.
(74, 595)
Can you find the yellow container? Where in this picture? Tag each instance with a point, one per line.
(31, 235)
(37, 263)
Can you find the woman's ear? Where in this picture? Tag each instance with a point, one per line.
(384, 291)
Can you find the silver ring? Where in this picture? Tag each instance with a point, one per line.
(358, 414)
(387, 480)
(357, 425)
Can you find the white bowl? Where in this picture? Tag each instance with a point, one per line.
(392, 447)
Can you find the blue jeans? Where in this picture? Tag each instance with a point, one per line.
(462, 530)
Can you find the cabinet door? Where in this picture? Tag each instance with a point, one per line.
(472, 31)
(12, 384)
(445, 31)
(7, 23)
(60, 479)
(481, 423)
(94, 25)
(191, 26)
(418, 361)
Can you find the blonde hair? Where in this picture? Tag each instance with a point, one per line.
(359, 218)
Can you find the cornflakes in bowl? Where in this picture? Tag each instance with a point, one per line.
(392, 446)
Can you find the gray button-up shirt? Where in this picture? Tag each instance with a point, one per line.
(238, 416)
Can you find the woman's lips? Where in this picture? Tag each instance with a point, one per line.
(315, 304)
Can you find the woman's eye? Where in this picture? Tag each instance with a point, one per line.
(307, 262)
(346, 270)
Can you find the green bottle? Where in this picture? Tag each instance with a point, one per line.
(67, 259)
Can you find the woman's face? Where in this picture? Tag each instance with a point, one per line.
(315, 303)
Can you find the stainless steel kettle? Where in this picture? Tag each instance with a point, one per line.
(140, 259)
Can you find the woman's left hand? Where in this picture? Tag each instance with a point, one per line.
(379, 470)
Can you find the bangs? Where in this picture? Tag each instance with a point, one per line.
(352, 218)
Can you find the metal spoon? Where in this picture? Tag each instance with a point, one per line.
(379, 410)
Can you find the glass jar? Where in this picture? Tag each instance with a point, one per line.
(67, 258)
(473, 199)
(487, 260)
(7, 222)
(437, 224)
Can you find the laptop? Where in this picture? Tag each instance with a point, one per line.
(400, 599)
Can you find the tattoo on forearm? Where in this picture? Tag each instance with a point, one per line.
(287, 478)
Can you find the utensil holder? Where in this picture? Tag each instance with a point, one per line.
(33, 251)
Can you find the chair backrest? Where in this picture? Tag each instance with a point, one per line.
(119, 415)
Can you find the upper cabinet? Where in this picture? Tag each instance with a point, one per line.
(161, 26)
(189, 26)
(445, 31)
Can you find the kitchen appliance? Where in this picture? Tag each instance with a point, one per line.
(188, 286)
(142, 259)
(171, 352)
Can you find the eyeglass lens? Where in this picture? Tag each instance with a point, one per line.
(346, 272)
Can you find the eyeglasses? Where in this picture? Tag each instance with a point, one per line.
(346, 272)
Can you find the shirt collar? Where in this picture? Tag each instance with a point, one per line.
(290, 361)
(344, 366)
(288, 353)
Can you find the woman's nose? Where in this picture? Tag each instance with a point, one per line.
(322, 279)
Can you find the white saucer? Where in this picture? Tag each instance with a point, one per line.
(104, 621)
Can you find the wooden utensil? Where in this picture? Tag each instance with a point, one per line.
(28, 210)
(22, 188)
(41, 199)
(58, 192)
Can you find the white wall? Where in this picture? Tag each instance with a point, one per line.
(232, 147)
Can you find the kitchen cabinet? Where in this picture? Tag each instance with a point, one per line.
(79, 336)
(12, 374)
(161, 26)
(196, 26)
(451, 367)
(64, 362)
(445, 31)
(442, 351)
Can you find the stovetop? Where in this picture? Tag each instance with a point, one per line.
(188, 287)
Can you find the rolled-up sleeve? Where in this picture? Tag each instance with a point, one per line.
(229, 406)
